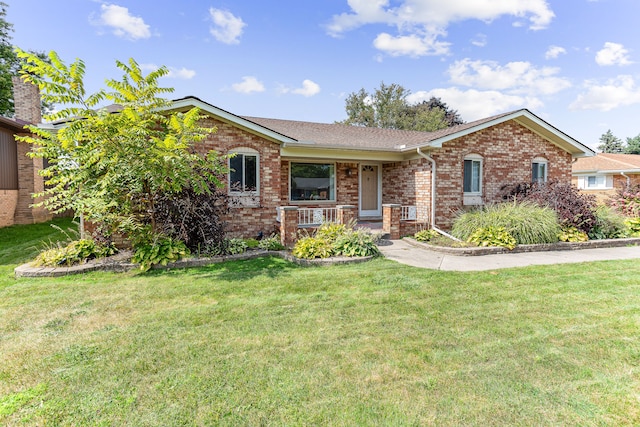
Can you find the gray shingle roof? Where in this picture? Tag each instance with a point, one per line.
(340, 135)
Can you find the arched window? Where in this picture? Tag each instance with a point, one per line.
(244, 172)
(539, 170)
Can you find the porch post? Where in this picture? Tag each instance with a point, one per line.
(391, 220)
(288, 225)
(346, 213)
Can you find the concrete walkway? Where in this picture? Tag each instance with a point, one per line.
(405, 253)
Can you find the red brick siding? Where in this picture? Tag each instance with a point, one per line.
(249, 221)
(407, 183)
(507, 150)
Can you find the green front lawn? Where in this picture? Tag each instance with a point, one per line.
(265, 342)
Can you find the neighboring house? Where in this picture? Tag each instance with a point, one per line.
(604, 173)
(19, 177)
(434, 175)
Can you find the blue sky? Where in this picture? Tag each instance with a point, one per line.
(575, 63)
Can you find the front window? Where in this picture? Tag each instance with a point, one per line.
(243, 173)
(312, 181)
(539, 171)
(598, 182)
(472, 176)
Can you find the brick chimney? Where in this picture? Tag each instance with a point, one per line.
(26, 101)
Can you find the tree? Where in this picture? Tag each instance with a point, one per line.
(610, 143)
(388, 108)
(633, 145)
(111, 168)
(8, 63)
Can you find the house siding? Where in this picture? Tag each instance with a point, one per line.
(248, 221)
(507, 151)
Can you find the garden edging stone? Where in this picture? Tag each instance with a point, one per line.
(545, 247)
(121, 262)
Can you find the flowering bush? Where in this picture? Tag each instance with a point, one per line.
(626, 200)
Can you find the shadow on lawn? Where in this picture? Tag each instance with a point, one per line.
(267, 266)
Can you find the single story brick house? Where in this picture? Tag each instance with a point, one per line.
(605, 173)
(318, 168)
(19, 177)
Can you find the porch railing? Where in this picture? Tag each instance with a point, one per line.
(413, 213)
(316, 216)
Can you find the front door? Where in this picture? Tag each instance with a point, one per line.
(370, 190)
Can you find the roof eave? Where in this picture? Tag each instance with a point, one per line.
(528, 120)
(190, 102)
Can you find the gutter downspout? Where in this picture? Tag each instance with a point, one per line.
(628, 178)
(433, 194)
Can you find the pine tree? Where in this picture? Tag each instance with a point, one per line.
(610, 143)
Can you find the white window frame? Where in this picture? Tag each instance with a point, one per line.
(334, 183)
(473, 198)
(475, 158)
(602, 182)
(536, 162)
(244, 151)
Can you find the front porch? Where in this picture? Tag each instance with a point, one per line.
(397, 220)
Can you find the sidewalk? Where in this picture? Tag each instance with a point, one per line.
(405, 253)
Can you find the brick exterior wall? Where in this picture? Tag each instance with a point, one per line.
(507, 152)
(407, 183)
(8, 203)
(27, 107)
(248, 221)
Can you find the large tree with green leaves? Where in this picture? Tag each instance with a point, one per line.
(8, 63)
(111, 168)
(633, 145)
(387, 107)
(609, 143)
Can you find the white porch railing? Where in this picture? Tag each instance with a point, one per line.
(414, 213)
(316, 216)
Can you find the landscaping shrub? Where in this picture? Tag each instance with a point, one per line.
(251, 243)
(570, 233)
(609, 224)
(336, 239)
(626, 200)
(162, 250)
(492, 236)
(194, 218)
(633, 226)
(356, 243)
(271, 243)
(572, 207)
(75, 252)
(426, 235)
(235, 246)
(527, 222)
(310, 247)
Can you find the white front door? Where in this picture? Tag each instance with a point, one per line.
(370, 190)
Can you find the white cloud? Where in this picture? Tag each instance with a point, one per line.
(618, 92)
(613, 54)
(248, 85)
(309, 88)
(554, 51)
(175, 73)
(515, 77)
(474, 104)
(427, 20)
(411, 45)
(227, 27)
(122, 23)
(479, 40)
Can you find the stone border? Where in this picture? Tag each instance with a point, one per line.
(121, 263)
(545, 247)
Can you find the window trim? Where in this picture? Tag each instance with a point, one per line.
(245, 151)
(334, 182)
(584, 181)
(540, 161)
(473, 158)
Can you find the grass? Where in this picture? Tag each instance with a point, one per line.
(265, 342)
